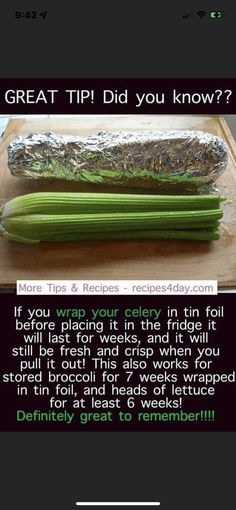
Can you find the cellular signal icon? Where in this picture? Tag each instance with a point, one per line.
(188, 16)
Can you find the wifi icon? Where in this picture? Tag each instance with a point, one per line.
(201, 14)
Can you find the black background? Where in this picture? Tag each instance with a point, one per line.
(222, 401)
(181, 470)
(140, 86)
(103, 39)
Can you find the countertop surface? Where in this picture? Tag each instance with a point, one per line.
(230, 119)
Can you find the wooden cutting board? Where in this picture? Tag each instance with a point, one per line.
(118, 259)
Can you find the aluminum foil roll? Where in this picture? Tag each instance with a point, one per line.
(144, 159)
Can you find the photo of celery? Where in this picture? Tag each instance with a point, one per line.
(90, 216)
(122, 197)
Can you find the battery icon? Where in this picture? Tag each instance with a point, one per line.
(216, 14)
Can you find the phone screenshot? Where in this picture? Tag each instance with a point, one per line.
(118, 256)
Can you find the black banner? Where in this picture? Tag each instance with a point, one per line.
(120, 363)
(117, 96)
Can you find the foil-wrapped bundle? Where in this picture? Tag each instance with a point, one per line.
(144, 159)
